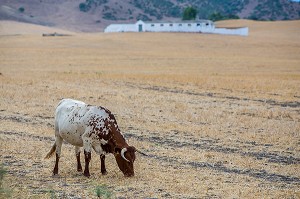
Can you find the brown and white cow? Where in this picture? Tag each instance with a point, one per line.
(90, 127)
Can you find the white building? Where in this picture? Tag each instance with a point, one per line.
(201, 26)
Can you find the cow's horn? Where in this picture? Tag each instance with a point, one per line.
(141, 152)
(122, 154)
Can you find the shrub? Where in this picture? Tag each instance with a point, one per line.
(52, 194)
(109, 16)
(103, 192)
(143, 17)
(216, 16)
(21, 9)
(253, 17)
(83, 7)
(4, 193)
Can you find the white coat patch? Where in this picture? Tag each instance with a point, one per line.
(84, 125)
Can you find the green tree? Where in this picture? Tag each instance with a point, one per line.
(21, 9)
(189, 13)
(83, 7)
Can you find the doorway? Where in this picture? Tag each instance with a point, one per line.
(140, 28)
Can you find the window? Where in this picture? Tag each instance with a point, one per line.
(180, 24)
(171, 24)
(152, 25)
(198, 24)
(189, 25)
(161, 24)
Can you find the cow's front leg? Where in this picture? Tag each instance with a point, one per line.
(103, 169)
(77, 152)
(87, 146)
(87, 156)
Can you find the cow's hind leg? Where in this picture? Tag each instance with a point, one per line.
(77, 152)
(103, 169)
(58, 142)
(87, 156)
(87, 146)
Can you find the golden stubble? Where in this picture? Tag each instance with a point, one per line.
(219, 115)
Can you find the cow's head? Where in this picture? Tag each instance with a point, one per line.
(125, 158)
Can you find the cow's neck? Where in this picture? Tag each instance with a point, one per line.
(116, 139)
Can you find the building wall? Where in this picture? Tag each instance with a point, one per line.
(161, 27)
(204, 26)
(121, 28)
(179, 27)
(236, 31)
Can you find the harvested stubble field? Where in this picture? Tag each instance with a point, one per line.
(218, 115)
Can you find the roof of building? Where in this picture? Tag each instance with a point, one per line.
(179, 21)
(167, 22)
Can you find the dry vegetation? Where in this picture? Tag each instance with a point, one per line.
(219, 116)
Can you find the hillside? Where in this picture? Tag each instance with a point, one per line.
(19, 28)
(95, 15)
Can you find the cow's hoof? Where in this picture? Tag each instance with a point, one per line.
(55, 171)
(86, 175)
(104, 172)
(79, 169)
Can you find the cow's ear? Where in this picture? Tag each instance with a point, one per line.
(118, 150)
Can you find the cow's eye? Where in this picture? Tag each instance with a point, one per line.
(117, 150)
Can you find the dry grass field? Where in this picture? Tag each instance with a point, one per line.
(218, 115)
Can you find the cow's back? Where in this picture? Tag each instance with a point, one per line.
(68, 121)
(66, 108)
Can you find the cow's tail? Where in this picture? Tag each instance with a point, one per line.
(51, 151)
